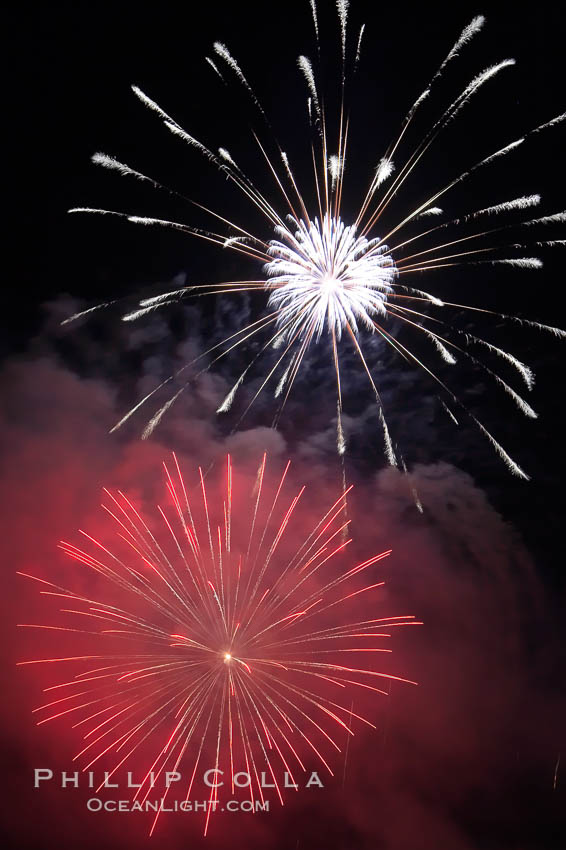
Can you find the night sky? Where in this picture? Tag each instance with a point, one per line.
(468, 759)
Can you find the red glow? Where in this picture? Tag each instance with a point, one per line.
(246, 671)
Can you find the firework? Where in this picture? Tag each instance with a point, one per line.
(211, 643)
(327, 272)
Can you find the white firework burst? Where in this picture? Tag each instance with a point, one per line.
(326, 277)
(326, 271)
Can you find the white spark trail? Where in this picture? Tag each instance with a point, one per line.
(151, 104)
(306, 67)
(521, 263)
(342, 7)
(87, 312)
(522, 203)
(315, 19)
(384, 170)
(225, 54)
(442, 350)
(359, 47)
(430, 211)
(553, 123)
(227, 403)
(114, 165)
(466, 35)
(324, 273)
(214, 68)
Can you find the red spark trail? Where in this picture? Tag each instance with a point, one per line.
(223, 653)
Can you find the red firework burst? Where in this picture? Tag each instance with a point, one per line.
(215, 642)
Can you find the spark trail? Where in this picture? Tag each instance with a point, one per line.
(211, 639)
(327, 272)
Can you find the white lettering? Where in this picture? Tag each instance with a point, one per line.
(314, 780)
(213, 784)
(39, 778)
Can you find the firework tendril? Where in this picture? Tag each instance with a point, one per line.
(213, 648)
(327, 271)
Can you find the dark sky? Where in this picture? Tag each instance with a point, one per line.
(70, 66)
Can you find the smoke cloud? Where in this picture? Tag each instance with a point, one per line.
(466, 759)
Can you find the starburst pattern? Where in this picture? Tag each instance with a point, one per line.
(212, 643)
(350, 275)
(326, 277)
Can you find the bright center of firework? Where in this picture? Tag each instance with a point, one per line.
(227, 658)
(330, 284)
(327, 276)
